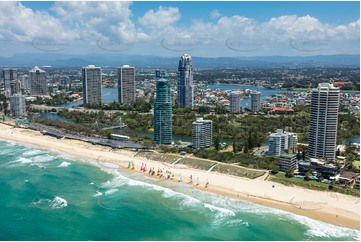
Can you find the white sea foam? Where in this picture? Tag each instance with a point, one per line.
(321, 229)
(120, 180)
(10, 143)
(221, 212)
(316, 228)
(35, 159)
(59, 202)
(43, 158)
(111, 191)
(227, 207)
(56, 203)
(64, 164)
(32, 153)
(237, 222)
(22, 160)
(5, 151)
(97, 194)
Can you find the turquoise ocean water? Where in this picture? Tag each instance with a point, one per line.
(47, 196)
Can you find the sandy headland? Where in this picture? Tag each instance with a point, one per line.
(330, 207)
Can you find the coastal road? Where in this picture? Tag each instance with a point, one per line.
(260, 151)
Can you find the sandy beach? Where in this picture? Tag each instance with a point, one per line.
(329, 207)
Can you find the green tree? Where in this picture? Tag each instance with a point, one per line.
(220, 109)
(275, 169)
(289, 173)
(216, 141)
(204, 110)
(246, 149)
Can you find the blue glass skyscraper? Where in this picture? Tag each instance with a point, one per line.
(185, 82)
(163, 112)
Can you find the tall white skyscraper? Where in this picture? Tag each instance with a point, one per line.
(92, 85)
(8, 75)
(38, 85)
(126, 84)
(235, 102)
(185, 82)
(323, 121)
(202, 133)
(17, 103)
(255, 101)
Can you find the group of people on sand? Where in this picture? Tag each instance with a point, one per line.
(167, 174)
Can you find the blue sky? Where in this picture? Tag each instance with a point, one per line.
(165, 28)
(338, 12)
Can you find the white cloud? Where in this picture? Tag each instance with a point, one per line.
(109, 20)
(18, 23)
(163, 17)
(86, 22)
(215, 14)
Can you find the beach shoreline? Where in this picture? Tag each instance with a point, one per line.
(330, 207)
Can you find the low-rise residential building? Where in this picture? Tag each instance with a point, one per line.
(287, 162)
(316, 165)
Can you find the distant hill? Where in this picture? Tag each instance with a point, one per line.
(67, 60)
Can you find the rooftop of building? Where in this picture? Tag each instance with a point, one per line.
(288, 155)
(348, 174)
(90, 66)
(325, 87)
(201, 120)
(280, 109)
(36, 68)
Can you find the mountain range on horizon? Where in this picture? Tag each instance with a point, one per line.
(59, 60)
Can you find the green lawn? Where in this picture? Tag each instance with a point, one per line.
(314, 185)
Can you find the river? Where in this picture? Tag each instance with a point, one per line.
(110, 94)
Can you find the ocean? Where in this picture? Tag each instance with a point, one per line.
(47, 195)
